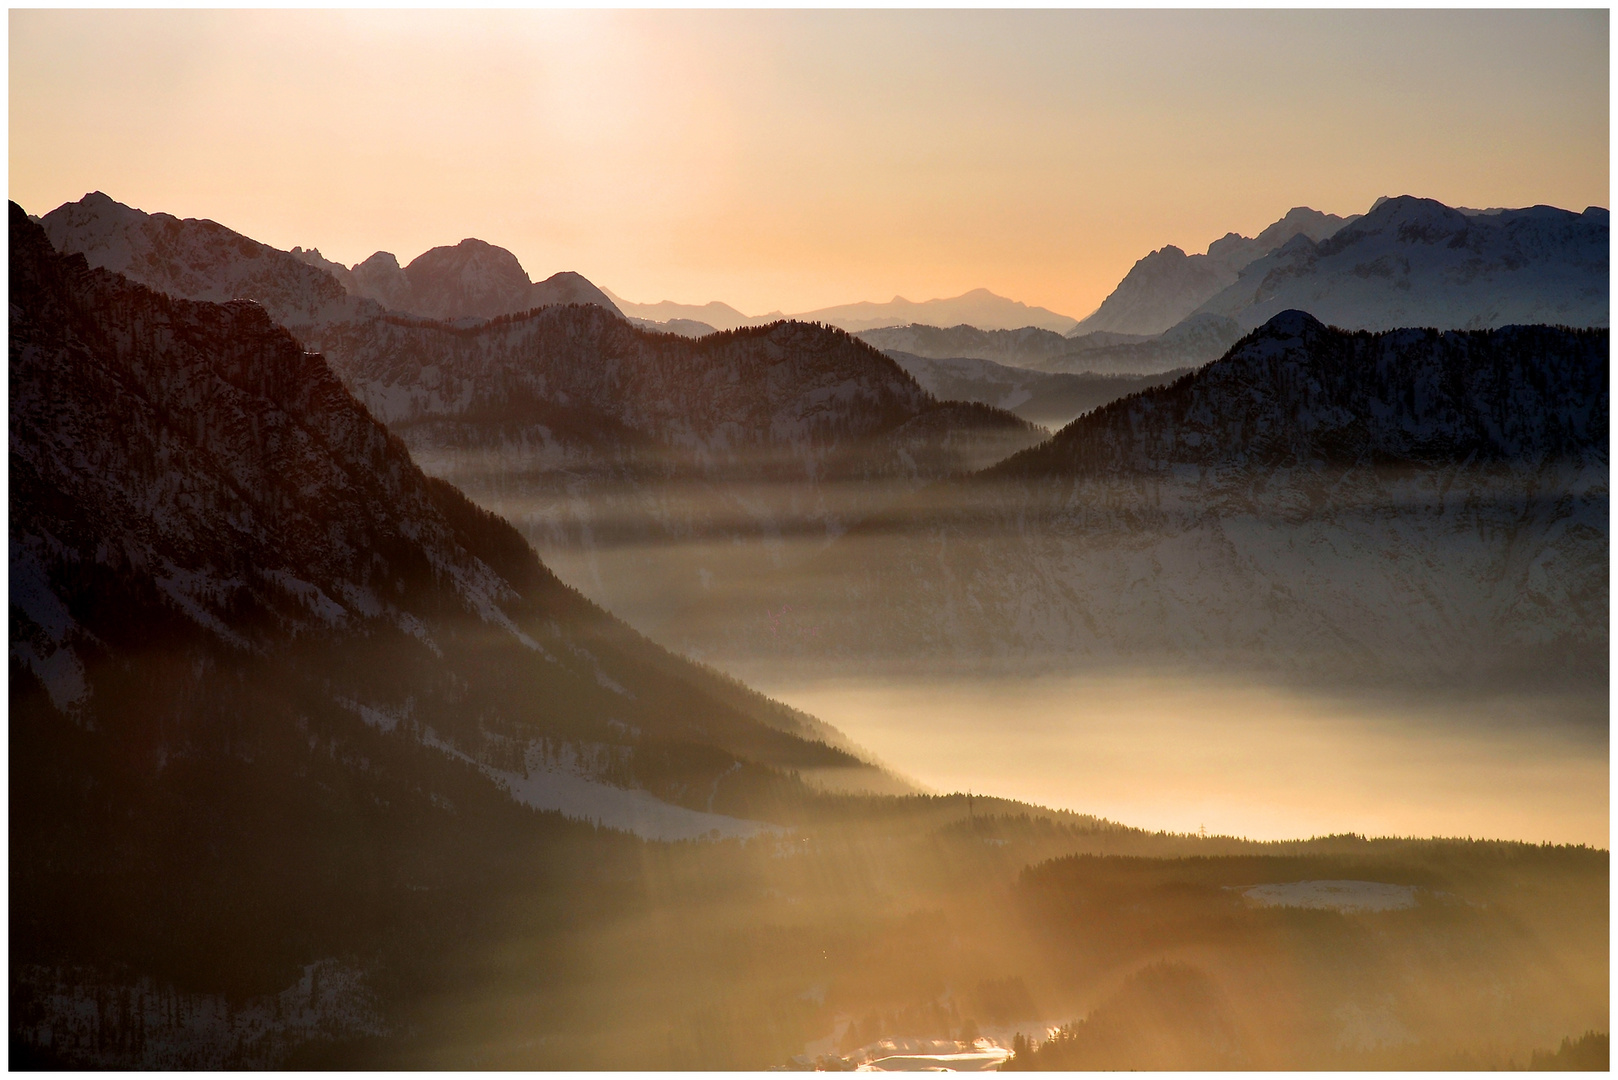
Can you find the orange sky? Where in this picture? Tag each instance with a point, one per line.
(793, 160)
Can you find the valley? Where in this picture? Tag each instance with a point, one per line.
(429, 667)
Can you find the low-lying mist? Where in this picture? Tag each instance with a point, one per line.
(1389, 666)
(1179, 753)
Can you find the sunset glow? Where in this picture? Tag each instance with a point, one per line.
(793, 160)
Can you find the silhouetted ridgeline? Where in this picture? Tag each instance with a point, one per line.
(1295, 393)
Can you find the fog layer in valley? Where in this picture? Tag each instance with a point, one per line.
(757, 582)
(1166, 751)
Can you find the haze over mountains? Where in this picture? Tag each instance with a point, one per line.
(979, 307)
(1270, 510)
(576, 424)
(1047, 398)
(631, 457)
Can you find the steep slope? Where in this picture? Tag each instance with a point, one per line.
(1413, 506)
(1417, 262)
(185, 475)
(1044, 398)
(283, 709)
(583, 428)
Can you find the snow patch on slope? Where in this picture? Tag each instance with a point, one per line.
(624, 809)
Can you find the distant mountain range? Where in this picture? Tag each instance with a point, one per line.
(713, 314)
(1407, 262)
(979, 308)
(1167, 285)
(1196, 340)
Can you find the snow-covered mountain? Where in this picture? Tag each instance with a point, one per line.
(1411, 505)
(1167, 285)
(199, 260)
(1047, 398)
(1417, 262)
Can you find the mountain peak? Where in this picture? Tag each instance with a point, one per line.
(381, 260)
(1416, 220)
(1292, 323)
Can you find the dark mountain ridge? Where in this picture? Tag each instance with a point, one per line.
(1295, 392)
